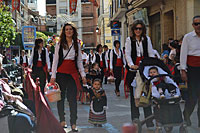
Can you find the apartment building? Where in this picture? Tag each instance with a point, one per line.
(89, 23)
(51, 17)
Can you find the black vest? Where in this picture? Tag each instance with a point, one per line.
(61, 56)
(115, 58)
(134, 50)
(36, 56)
(98, 59)
(90, 58)
(21, 59)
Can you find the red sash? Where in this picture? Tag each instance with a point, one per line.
(101, 64)
(193, 61)
(138, 59)
(24, 64)
(119, 62)
(69, 67)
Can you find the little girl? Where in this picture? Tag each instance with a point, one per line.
(95, 72)
(98, 104)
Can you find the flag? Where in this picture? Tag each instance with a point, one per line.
(73, 5)
(15, 5)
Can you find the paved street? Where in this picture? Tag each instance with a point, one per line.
(118, 113)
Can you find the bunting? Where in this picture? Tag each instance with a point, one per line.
(73, 5)
(15, 5)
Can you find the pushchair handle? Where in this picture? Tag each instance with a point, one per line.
(160, 75)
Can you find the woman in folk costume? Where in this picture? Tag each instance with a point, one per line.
(39, 61)
(66, 64)
(100, 58)
(116, 65)
(23, 59)
(137, 47)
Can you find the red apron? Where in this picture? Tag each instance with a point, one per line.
(39, 64)
(69, 67)
(193, 61)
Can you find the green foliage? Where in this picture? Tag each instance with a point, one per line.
(48, 33)
(18, 40)
(7, 29)
(42, 35)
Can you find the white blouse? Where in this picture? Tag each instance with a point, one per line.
(118, 57)
(70, 56)
(39, 58)
(139, 50)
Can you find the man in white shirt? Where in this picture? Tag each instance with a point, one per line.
(84, 56)
(190, 69)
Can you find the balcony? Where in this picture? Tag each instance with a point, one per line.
(144, 3)
(50, 22)
(88, 30)
(86, 15)
(89, 45)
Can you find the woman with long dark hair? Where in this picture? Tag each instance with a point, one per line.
(116, 65)
(137, 47)
(66, 64)
(39, 61)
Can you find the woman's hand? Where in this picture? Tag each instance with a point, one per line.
(84, 80)
(53, 80)
(134, 67)
(111, 71)
(183, 75)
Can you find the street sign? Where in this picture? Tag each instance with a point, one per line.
(115, 24)
(28, 37)
(115, 32)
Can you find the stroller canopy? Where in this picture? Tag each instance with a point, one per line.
(149, 62)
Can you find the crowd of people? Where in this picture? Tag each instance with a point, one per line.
(77, 72)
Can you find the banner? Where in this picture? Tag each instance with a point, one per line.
(15, 5)
(73, 5)
(28, 37)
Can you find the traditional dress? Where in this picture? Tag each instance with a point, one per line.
(40, 64)
(24, 61)
(98, 105)
(135, 51)
(66, 64)
(190, 62)
(116, 64)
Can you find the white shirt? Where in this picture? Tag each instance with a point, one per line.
(118, 57)
(100, 55)
(172, 54)
(107, 53)
(139, 50)
(39, 57)
(156, 53)
(91, 58)
(70, 56)
(190, 46)
(24, 59)
(84, 56)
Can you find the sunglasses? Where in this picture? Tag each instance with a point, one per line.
(137, 28)
(196, 24)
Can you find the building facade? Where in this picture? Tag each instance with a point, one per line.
(89, 23)
(165, 18)
(51, 17)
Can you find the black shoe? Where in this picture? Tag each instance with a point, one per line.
(75, 130)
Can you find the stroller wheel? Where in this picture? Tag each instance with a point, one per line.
(158, 130)
(138, 125)
(168, 129)
(183, 129)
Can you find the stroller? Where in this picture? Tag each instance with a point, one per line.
(167, 111)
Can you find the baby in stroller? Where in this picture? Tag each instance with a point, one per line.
(163, 87)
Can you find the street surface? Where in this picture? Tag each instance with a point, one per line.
(118, 113)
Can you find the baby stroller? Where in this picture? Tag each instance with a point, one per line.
(167, 111)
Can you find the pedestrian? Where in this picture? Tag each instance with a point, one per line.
(23, 59)
(107, 57)
(5, 60)
(66, 64)
(117, 62)
(190, 69)
(98, 104)
(51, 55)
(39, 61)
(101, 60)
(165, 51)
(84, 56)
(137, 47)
(95, 71)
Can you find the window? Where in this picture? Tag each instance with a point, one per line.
(62, 11)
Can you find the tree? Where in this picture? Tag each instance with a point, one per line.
(7, 29)
(42, 35)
